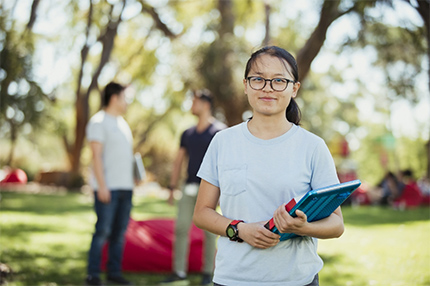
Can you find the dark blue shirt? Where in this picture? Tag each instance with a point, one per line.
(196, 145)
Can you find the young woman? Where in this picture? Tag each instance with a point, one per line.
(253, 169)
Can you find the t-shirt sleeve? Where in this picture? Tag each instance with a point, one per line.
(95, 132)
(324, 171)
(183, 140)
(209, 168)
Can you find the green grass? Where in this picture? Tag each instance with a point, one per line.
(45, 239)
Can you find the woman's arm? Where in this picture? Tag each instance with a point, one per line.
(206, 217)
(330, 227)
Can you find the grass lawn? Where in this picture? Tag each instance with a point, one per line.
(45, 238)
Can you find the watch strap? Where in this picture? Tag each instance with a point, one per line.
(235, 222)
(233, 225)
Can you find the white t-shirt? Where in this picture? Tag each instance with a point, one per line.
(255, 177)
(115, 135)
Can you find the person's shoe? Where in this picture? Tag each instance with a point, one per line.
(175, 280)
(89, 281)
(118, 280)
(206, 279)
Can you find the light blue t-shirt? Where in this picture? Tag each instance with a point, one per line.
(115, 135)
(255, 177)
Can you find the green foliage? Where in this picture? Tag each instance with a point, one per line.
(22, 99)
(380, 151)
(45, 240)
(208, 47)
(401, 51)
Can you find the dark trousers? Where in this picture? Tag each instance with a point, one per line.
(112, 221)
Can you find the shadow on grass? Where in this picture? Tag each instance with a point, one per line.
(153, 207)
(20, 231)
(333, 274)
(374, 215)
(56, 268)
(58, 204)
(42, 204)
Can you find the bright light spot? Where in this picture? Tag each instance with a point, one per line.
(10, 112)
(13, 88)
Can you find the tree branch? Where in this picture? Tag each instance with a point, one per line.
(33, 14)
(329, 13)
(158, 23)
(85, 49)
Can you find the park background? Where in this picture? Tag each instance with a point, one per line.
(364, 69)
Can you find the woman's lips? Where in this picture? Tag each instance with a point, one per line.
(267, 98)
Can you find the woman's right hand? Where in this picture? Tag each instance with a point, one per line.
(256, 235)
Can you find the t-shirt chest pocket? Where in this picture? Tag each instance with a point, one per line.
(232, 179)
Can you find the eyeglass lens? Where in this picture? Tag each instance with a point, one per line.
(277, 84)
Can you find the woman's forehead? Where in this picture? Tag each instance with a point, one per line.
(266, 63)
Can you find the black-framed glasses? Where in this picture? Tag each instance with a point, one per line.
(277, 83)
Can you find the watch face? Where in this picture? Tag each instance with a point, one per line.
(230, 232)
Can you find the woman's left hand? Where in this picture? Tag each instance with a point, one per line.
(288, 224)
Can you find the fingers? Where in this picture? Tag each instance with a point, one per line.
(258, 236)
(286, 223)
(301, 215)
(104, 197)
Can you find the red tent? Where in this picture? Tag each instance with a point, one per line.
(15, 176)
(149, 247)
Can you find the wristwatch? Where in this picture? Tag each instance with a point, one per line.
(232, 231)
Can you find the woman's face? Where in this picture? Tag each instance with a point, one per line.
(268, 102)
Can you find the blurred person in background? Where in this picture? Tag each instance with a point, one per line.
(193, 146)
(391, 188)
(424, 185)
(411, 194)
(111, 143)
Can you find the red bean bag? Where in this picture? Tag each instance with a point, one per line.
(149, 247)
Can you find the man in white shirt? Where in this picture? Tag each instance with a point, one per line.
(111, 144)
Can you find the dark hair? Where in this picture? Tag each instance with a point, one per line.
(204, 94)
(293, 113)
(407, 174)
(112, 88)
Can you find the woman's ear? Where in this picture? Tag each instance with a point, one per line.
(245, 86)
(296, 88)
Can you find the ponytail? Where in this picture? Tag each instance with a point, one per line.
(293, 112)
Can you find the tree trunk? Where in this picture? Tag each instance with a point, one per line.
(423, 8)
(82, 100)
(267, 10)
(13, 137)
(82, 116)
(222, 83)
(329, 13)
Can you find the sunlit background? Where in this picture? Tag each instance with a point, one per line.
(368, 84)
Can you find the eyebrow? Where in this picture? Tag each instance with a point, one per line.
(277, 74)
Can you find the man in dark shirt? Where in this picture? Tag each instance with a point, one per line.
(194, 143)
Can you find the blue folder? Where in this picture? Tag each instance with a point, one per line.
(317, 204)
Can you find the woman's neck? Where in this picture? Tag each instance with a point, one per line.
(265, 127)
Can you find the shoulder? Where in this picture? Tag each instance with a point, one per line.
(189, 131)
(218, 125)
(97, 120)
(308, 136)
(99, 117)
(229, 132)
